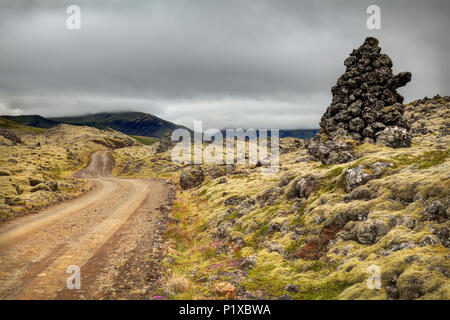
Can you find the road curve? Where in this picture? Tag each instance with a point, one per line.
(36, 251)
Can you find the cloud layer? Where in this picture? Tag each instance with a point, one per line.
(229, 63)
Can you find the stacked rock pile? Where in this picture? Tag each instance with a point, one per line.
(365, 108)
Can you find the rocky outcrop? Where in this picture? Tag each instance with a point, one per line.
(8, 134)
(394, 137)
(365, 107)
(301, 187)
(191, 177)
(165, 144)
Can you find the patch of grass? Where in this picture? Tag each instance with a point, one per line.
(232, 216)
(261, 278)
(330, 186)
(261, 231)
(424, 161)
(148, 141)
(299, 219)
(180, 231)
(335, 172)
(433, 158)
(209, 253)
(317, 266)
(325, 291)
(202, 227)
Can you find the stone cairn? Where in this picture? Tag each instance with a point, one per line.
(165, 143)
(366, 107)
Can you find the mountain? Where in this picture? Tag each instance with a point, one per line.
(32, 121)
(131, 123)
(299, 133)
(295, 133)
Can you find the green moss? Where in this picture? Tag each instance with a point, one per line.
(183, 296)
(295, 245)
(325, 291)
(261, 278)
(317, 266)
(433, 158)
(424, 161)
(335, 172)
(262, 231)
(232, 216)
(299, 219)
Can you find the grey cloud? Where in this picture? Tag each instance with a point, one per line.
(229, 63)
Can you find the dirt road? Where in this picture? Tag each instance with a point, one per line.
(108, 233)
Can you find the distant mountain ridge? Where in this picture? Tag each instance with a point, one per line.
(32, 121)
(299, 133)
(131, 123)
(295, 133)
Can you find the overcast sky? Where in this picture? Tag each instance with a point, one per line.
(259, 63)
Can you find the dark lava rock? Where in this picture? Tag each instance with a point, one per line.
(234, 200)
(365, 107)
(11, 136)
(164, 144)
(436, 210)
(191, 177)
(394, 137)
(292, 288)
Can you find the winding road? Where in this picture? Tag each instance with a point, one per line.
(99, 233)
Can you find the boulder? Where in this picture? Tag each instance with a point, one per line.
(301, 187)
(356, 177)
(306, 185)
(270, 195)
(436, 210)
(371, 231)
(284, 180)
(394, 137)
(191, 177)
(234, 200)
(164, 144)
(331, 151)
(292, 288)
